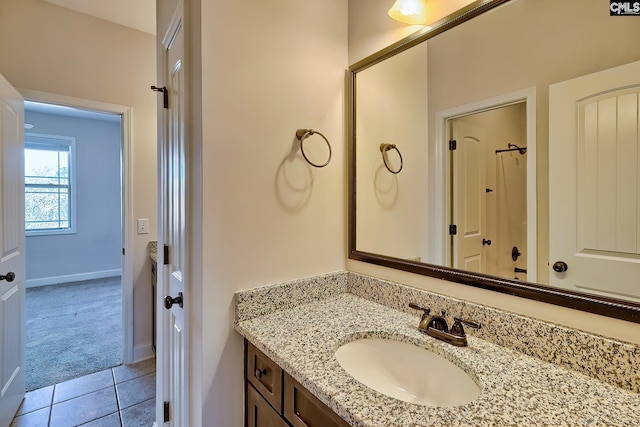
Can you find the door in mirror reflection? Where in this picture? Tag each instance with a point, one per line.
(489, 192)
(468, 161)
(595, 237)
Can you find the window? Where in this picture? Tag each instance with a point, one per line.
(49, 189)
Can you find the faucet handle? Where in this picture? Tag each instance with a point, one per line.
(470, 323)
(424, 320)
(415, 306)
(458, 330)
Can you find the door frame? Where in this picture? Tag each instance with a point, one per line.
(440, 174)
(128, 352)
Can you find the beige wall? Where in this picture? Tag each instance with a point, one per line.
(51, 49)
(392, 109)
(517, 53)
(268, 68)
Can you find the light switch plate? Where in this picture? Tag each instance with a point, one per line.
(143, 225)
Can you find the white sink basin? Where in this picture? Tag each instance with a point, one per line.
(407, 372)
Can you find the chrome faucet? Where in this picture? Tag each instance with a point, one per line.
(436, 326)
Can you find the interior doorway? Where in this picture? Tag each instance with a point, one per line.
(489, 191)
(75, 204)
(506, 123)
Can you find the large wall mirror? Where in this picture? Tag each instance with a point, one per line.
(501, 149)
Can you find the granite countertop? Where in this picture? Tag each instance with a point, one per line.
(516, 389)
(152, 250)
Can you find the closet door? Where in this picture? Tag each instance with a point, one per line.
(595, 134)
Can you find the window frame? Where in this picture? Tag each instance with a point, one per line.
(45, 139)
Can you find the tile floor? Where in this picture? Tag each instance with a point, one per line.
(120, 396)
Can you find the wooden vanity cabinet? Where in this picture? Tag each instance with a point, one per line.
(265, 376)
(303, 409)
(274, 399)
(259, 412)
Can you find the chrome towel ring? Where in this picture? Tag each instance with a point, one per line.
(387, 147)
(301, 135)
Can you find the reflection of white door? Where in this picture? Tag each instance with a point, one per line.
(469, 196)
(173, 213)
(12, 258)
(595, 154)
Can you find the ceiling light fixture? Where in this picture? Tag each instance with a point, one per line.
(409, 11)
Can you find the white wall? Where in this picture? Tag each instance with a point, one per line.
(48, 48)
(268, 68)
(96, 246)
(366, 14)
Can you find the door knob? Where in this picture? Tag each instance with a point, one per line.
(560, 266)
(9, 277)
(515, 253)
(486, 242)
(168, 301)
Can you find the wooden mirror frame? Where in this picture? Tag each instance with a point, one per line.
(605, 306)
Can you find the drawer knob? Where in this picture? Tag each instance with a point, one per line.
(261, 372)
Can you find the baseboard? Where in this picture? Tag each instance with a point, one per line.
(45, 281)
(142, 352)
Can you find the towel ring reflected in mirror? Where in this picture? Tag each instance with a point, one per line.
(301, 135)
(384, 148)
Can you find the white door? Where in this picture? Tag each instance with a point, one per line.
(174, 338)
(594, 183)
(12, 258)
(469, 196)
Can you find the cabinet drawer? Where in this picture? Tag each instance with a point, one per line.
(303, 409)
(260, 413)
(265, 375)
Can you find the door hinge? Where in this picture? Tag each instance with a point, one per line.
(453, 144)
(165, 95)
(165, 254)
(166, 412)
(453, 230)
